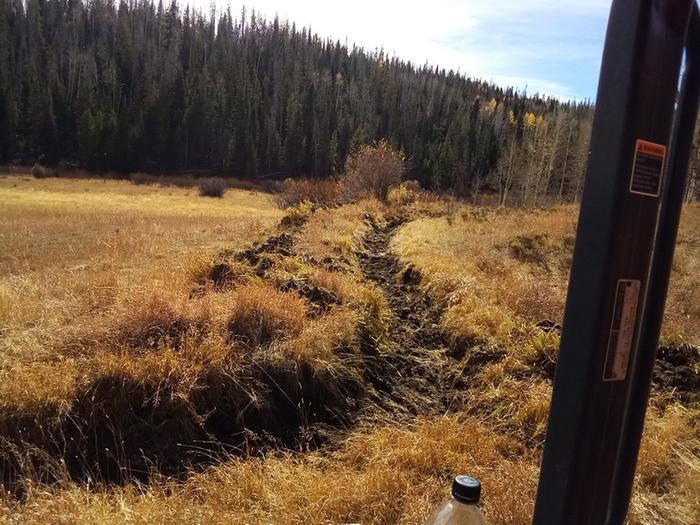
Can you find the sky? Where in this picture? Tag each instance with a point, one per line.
(551, 47)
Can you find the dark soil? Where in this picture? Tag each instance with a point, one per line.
(258, 255)
(411, 372)
(320, 299)
(677, 371)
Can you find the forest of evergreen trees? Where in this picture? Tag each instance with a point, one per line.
(133, 86)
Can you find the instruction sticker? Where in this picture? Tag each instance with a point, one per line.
(622, 330)
(648, 168)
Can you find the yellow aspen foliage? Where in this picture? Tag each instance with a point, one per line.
(511, 117)
(530, 120)
(491, 106)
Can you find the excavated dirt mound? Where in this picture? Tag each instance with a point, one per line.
(276, 245)
(677, 370)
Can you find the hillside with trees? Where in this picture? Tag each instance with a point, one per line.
(134, 86)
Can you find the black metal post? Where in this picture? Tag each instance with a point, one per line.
(669, 219)
(604, 367)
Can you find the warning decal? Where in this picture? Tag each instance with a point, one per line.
(622, 330)
(648, 168)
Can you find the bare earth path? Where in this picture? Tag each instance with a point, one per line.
(412, 371)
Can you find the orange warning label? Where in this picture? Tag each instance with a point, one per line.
(650, 148)
(648, 168)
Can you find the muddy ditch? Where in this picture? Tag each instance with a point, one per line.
(418, 368)
(410, 371)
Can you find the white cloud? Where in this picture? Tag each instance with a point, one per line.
(505, 41)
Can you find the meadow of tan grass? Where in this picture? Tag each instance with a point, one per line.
(162, 335)
(378, 476)
(500, 268)
(499, 272)
(108, 296)
(73, 249)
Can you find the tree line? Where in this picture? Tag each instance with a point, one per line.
(134, 85)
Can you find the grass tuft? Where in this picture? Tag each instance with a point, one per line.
(262, 315)
(298, 213)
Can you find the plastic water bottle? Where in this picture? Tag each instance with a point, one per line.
(461, 509)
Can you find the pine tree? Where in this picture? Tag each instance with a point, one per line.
(137, 85)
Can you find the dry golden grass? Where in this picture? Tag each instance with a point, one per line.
(162, 365)
(388, 476)
(383, 476)
(337, 233)
(319, 337)
(667, 486)
(260, 315)
(682, 316)
(72, 249)
(33, 387)
(500, 269)
(116, 298)
(174, 334)
(332, 237)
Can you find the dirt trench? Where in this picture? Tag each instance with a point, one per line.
(414, 373)
(411, 372)
(408, 367)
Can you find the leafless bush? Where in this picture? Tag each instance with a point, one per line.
(316, 191)
(372, 170)
(141, 178)
(213, 187)
(42, 172)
